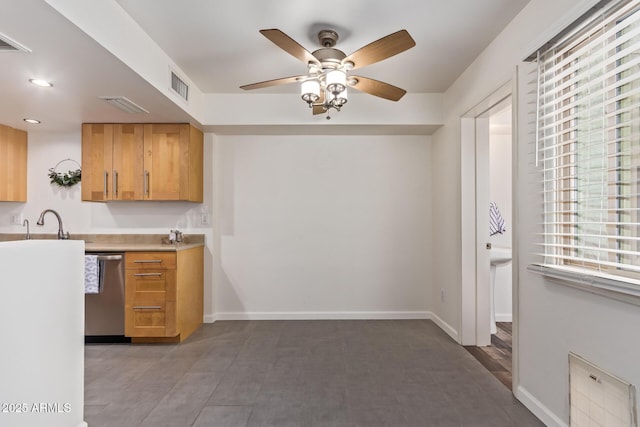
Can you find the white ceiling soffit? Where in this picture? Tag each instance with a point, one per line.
(7, 44)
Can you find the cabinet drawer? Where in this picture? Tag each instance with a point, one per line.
(151, 319)
(148, 300)
(144, 285)
(150, 260)
(141, 321)
(145, 280)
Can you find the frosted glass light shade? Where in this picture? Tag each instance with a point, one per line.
(310, 91)
(336, 81)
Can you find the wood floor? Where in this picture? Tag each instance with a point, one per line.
(497, 357)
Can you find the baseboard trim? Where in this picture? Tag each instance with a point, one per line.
(336, 315)
(448, 329)
(508, 317)
(324, 315)
(538, 409)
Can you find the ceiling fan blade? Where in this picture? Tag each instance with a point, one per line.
(289, 45)
(318, 109)
(274, 82)
(381, 49)
(377, 88)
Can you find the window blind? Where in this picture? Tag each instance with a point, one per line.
(588, 148)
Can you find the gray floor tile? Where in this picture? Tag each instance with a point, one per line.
(238, 387)
(223, 416)
(286, 415)
(298, 373)
(184, 402)
(372, 414)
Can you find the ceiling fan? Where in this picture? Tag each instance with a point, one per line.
(325, 84)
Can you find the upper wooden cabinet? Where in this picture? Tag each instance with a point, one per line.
(141, 162)
(13, 164)
(172, 162)
(112, 162)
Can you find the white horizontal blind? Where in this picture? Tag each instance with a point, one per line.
(588, 146)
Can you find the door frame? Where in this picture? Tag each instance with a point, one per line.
(475, 304)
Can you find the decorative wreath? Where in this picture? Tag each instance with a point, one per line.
(65, 179)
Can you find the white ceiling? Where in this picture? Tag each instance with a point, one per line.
(218, 46)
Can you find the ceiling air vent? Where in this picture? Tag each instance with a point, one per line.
(179, 86)
(9, 45)
(124, 104)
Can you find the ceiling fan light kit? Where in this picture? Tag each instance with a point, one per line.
(325, 85)
(310, 90)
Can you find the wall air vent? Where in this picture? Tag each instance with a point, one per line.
(179, 86)
(599, 398)
(124, 104)
(9, 45)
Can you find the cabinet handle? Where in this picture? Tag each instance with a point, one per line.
(146, 307)
(147, 261)
(115, 183)
(106, 178)
(148, 274)
(146, 183)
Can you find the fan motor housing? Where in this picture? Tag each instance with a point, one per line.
(329, 56)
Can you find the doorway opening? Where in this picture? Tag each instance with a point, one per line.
(487, 226)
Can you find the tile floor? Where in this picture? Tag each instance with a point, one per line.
(298, 373)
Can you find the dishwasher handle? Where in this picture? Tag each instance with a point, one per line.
(109, 257)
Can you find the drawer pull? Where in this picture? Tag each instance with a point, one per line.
(147, 261)
(147, 307)
(148, 274)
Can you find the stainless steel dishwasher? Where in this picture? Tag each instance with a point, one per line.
(104, 311)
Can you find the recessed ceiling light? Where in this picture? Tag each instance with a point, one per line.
(40, 82)
(32, 121)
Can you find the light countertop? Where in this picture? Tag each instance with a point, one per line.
(121, 242)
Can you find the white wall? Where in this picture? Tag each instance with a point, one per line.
(320, 226)
(47, 149)
(500, 192)
(553, 319)
(323, 226)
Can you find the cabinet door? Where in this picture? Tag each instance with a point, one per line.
(97, 147)
(166, 161)
(127, 166)
(13, 164)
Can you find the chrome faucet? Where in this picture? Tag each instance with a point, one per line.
(61, 234)
(26, 223)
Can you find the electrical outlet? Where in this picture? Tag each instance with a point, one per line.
(204, 218)
(16, 219)
(442, 294)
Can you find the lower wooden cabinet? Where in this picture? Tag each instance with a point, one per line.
(163, 294)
